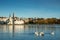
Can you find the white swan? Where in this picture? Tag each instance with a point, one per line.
(41, 33)
(37, 33)
(52, 33)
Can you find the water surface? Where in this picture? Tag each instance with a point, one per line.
(27, 32)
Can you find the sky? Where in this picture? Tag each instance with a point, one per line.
(30, 8)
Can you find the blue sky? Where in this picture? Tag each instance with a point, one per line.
(30, 8)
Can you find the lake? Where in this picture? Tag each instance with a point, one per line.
(29, 32)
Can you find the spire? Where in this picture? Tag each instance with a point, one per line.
(13, 14)
(9, 15)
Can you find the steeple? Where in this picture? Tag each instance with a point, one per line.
(13, 14)
(9, 16)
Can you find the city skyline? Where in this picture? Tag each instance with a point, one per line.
(30, 8)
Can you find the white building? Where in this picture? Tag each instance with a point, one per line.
(17, 21)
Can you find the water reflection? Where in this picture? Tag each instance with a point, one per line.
(33, 32)
(27, 28)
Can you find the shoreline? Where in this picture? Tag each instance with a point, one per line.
(29, 24)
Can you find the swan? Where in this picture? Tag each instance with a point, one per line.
(36, 33)
(41, 33)
(52, 33)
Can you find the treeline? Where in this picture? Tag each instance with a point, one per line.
(43, 21)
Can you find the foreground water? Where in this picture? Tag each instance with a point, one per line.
(28, 32)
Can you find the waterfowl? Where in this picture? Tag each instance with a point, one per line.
(41, 33)
(37, 33)
(52, 33)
